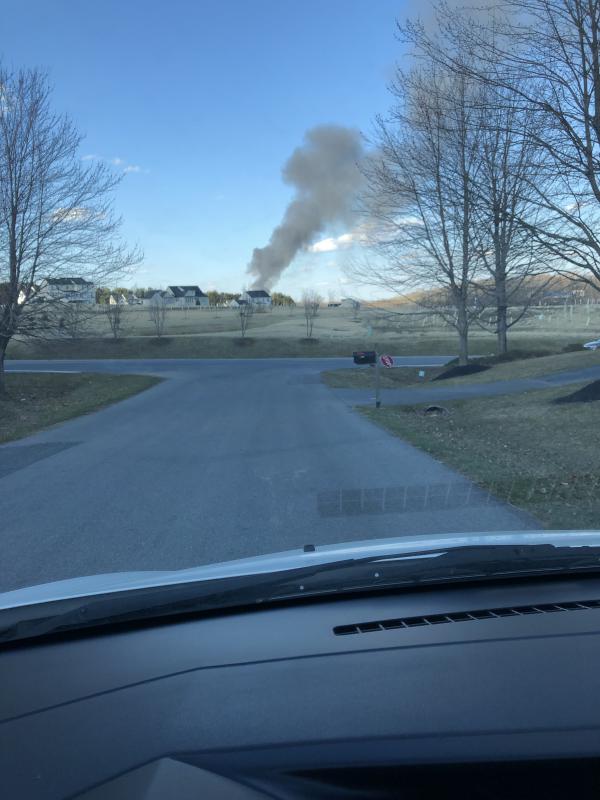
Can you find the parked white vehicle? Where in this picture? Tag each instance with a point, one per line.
(592, 345)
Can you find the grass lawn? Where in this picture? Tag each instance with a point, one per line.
(531, 367)
(280, 335)
(212, 347)
(362, 377)
(536, 455)
(34, 401)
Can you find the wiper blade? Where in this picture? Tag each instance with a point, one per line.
(375, 572)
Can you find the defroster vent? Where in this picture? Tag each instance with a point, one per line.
(463, 616)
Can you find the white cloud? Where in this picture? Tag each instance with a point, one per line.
(338, 242)
(324, 246)
(116, 161)
(70, 214)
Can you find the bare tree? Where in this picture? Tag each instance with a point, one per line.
(245, 312)
(545, 55)
(420, 196)
(157, 311)
(311, 302)
(515, 271)
(114, 316)
(56, 216)
(75, 318)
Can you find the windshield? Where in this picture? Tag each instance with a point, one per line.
(296, 277)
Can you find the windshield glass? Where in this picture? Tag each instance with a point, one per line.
(288, 276)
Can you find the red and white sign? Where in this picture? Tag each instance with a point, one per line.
(387, 361)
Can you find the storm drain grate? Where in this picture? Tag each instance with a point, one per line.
(463, 616)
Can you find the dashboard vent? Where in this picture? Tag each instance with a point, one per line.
(463, 616)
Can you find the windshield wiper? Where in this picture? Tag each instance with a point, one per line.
(335, 577)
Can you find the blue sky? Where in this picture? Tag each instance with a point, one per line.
(203, 102)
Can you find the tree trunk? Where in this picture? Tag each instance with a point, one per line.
(3, 346)
(501, 309)
(501, 330)
(463, 336)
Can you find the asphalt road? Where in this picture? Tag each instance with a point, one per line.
(223, 459)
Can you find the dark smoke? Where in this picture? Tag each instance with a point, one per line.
(326, 176)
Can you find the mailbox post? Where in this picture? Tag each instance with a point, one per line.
(371, 358)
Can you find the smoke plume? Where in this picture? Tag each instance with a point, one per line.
(325, 173)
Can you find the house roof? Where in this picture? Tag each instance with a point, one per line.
(181, 291)
(151, 293)
(257, 293)
(62, 281)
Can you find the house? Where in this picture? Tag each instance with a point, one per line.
(237, 302)
(257, 297)
(152, 296)
(68, 290)
(117, 299)
(186, 296)
(33, 291)
(349, 302)
(333, 305)
(133, 299)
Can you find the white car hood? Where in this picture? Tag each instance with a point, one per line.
(105, 583)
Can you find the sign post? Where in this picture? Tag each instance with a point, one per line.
(387, 361)
(371, 357)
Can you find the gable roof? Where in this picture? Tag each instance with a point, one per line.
(62, 281)
(150, 293)
(181, 291)
(258, 293)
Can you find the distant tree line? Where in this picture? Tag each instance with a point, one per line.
(220, 298)
(215, 298)
(279, 299)
(103, 293)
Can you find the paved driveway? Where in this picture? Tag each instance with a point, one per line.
(223, 459)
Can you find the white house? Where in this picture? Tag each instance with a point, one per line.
(237, 302)
(69, 290)
(258, 297)
(117, 299)
(33, 291)
(349, 302)
(152, 296)
(186, 296)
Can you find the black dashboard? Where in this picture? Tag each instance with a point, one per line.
(481, 690)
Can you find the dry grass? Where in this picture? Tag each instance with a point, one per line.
(33, 402)
(190, 322)
(531, 367)
(536, 455)
(362, 377)
(211, 347)
(206, 333)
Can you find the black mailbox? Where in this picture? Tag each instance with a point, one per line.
(365, 357)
